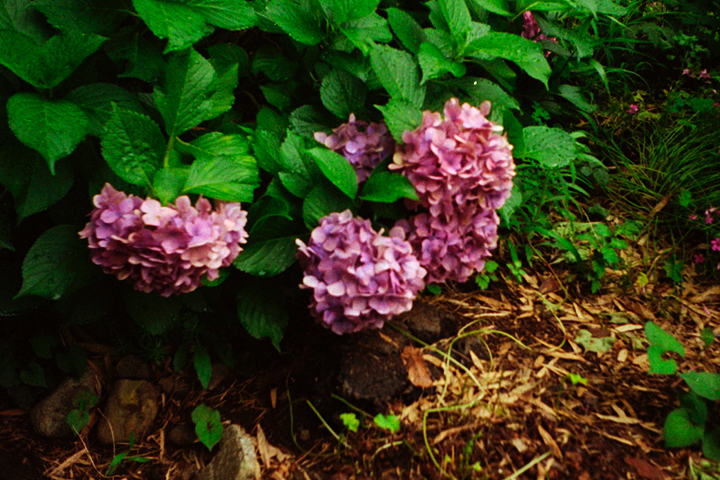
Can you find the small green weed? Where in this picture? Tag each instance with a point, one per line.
(119, 458)
(686, 426)
(208, 427)
(79, 416)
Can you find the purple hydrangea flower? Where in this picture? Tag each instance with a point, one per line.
(531, 30)
(165, 249)
(462, 170)
(359, 277)
(458, 160)
(363, 144)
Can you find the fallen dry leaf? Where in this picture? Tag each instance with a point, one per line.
(418, 372)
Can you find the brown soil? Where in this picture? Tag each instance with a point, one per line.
(493, 384)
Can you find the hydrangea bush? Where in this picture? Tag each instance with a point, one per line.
(150, 103)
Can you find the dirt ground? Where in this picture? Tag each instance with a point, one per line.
(495, 384)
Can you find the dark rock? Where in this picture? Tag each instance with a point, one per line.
(427, 322)
(130, 409)
(236, 459)
(132, 367)
(220, 372)
(182, 434)
(49, 416)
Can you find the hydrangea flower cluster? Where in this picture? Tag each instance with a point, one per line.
(462, 170)
(363, 144)
(359, 277)
(531, 30)
(164, 249)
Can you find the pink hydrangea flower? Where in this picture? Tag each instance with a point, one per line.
(360, 278)
(531, 30)
(363, 144)
(698, 258)
(164, 249)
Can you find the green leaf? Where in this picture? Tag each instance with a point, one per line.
(711, 444)
(434, 64)
(154, 313)
(44, 66)
(298, 18)
(141, 55)
(208, 426)
(398, 73)
(658, 364)
(481, 89)
(54, 263)
(83, 15)
(20, 16)
(336, 169)
(388, 422)
(574, 95)
(183, 97)
(365, 32)
(181, 357)
(323, 200)
(133, 146)
(552, 147)
(34, 376)
(225, 60)
(266, 147)
(342, 93)
(231, 179)
(387, 187)
(96, 101)
(347, 10)
(350, 421)
(495, 6)
(660, 338)
(202, 364)
(696, 406)
(708, 336)
(43, 346)
(215, 144)
(308, 119)
(168, 184)
(78, 419)
(527, 54)
(458, 19)
(271, 246)
(53, 128)
(599, 345)
(408, 31)
(400, 115)
(261, 313)
(679, 431)
(705, 384)
(270, 61)
(184, 23)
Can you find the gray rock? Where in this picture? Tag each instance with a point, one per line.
(130, 409)
(132, 367)
(236, 459)
(48, 417)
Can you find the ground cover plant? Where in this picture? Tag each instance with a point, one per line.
(180, 179)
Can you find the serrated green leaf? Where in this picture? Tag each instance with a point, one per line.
(83, 15)
(387, 187)
(202, 364)
(527, 54)
(398, 73)
(297, 18)
(457, 17)
(679, 431)
(482, 89)
(184, 23)
(20, 16)
(342, 93)
(44, 66)
(96, 100)
(266, 147)
(663, 340)
(495, 6)
(366, 31)
(658, 364)
(705, 384)
(225, 60)
(208, 426)
(168, 184)
(183, 96)
(271, 246)
(296, 184)
(133, 146)
(574, 95)
(261, 313)
(552, 147)
(347, 10)
(434, 64)
(141, 55)
(55, 262)
(215, 144)
(406, 28)
(279, 95)
(53, 128)
(336, 169)
(270, 61)
(34, 376)
(323, 200)
(231, 179)
(152, 312)
(400, 115)
(308, 119)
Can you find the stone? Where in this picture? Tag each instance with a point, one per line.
(132, 367)
(220, 372)
(235, 460)
(48, 417)
(182, 434)
(130, 409)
